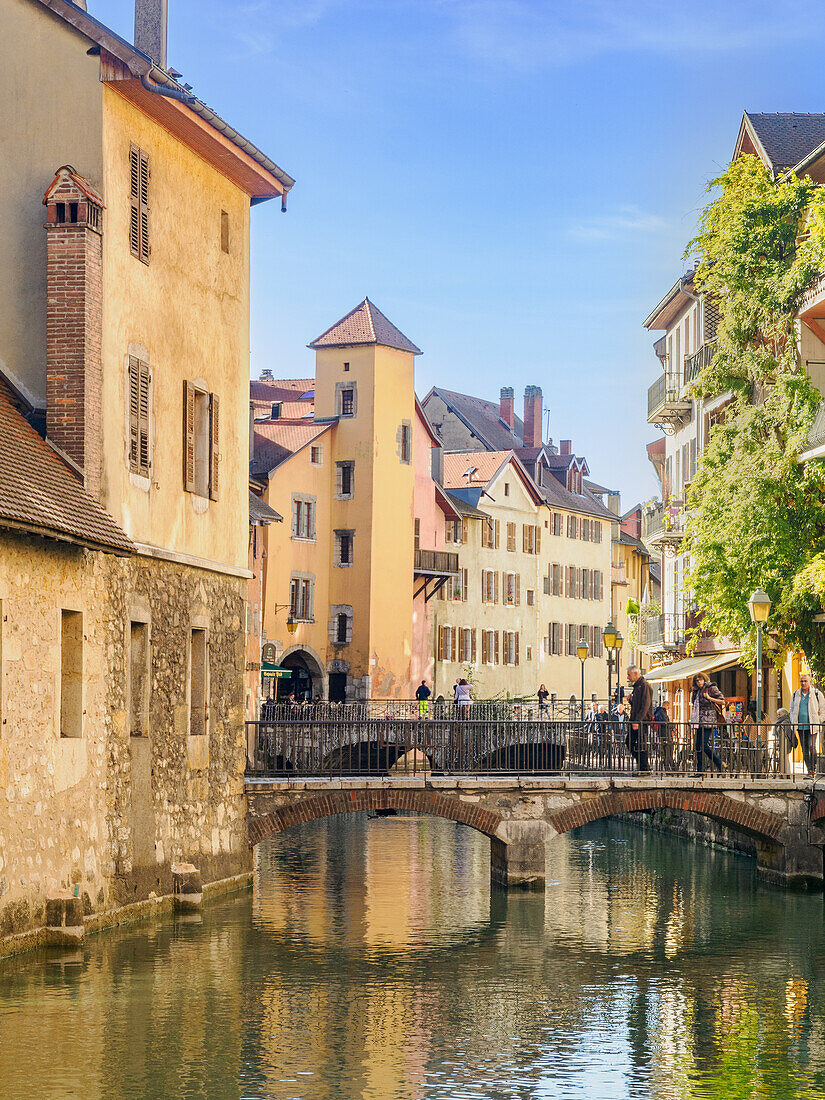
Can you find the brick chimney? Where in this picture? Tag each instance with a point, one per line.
(150, 29)
(74, 368)
(532, 416)
(565, 446)
(506, 406)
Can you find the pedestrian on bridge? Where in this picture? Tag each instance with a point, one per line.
(808, 714)
(422, 694)
(706, 705)
(641, 718)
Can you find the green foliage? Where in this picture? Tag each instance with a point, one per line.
(757, 517)
(632, 606)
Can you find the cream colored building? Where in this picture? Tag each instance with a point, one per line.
(533, 582)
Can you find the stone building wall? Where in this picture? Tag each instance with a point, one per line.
(106, 813)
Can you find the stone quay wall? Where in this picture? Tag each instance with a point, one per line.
(104, 815)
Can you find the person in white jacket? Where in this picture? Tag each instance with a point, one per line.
(807, 715)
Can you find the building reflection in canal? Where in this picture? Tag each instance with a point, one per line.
(374, 962)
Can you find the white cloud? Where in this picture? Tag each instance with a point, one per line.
(625, 221)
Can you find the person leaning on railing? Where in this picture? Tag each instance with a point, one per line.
(807, 715)
(706, 703)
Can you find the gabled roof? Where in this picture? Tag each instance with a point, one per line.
(464, 508)
(39, 494)
(135, 75)
(482, 418)
(666, 312)
(475, 470)
(780, 140)
(68, 175)
(365, 324)
(260, 512)
(557, 496)
(276, 441)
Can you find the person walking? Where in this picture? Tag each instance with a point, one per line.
(543, 695)
(422, 694)
(706, 702)
(463, 697)
(807, 714)
(641, 718)
(784, 742)
(602, 736)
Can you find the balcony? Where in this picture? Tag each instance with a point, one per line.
(697, 362)
(663, 526)
(665, 403)
(618, 573)
(433, 568)
(663, 633)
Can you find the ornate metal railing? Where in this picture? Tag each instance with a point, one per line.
(470, 746)
(698, 361)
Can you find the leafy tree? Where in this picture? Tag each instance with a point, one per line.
(756, 516)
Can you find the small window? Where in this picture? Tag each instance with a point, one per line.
(138, 679)
(346, 366)
(224, 231)
(140, 412)
(71, 674)
(347, 402)
(342, 622)
(316, 455)
(343, 547)
(275, 411)
(507, 488)
(405, 443)
(417, 535)
(531, 598)
(344, 480)
(198, 698)
(139, 204)
(201, 442)
(303, 518)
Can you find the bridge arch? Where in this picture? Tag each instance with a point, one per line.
(734, 812)
(356, 801)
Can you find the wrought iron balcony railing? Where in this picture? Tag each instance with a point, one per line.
(697, 362)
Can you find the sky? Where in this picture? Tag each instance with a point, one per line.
(512, 182)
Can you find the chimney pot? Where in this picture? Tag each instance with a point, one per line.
(506, 406)
(150, 29)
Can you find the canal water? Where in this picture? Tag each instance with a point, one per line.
(372, 961)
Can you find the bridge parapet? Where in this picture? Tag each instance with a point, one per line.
(521, 814)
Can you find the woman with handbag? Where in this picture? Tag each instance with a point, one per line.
(706, 705)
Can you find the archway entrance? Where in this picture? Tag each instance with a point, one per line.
(307, 680)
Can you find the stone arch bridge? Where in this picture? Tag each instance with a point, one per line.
(521, 814)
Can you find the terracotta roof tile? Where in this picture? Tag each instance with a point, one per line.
(484, 465)
(277, 440)
(365, 324)
(39, 493)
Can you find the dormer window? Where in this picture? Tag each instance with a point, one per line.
(276, 410)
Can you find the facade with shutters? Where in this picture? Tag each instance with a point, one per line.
(533, 581)
(124, 340)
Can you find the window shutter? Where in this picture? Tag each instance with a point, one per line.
(134, 411)
(144, 408)
(441, 643)
(188, 437)
(214, 445)
(464, 585)
(473, 646)
(495, 587)
(484, 647)
(518, 589)
(145, 249)
(538, 539)
(461, 646)
(515, 640)
(495, 643)
(497, 529)
(134, 200)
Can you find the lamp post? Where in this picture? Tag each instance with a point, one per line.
(582, 650)
(609, 638)
(759, 606)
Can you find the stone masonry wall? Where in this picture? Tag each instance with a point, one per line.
(106, 814)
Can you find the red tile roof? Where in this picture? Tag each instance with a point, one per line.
(38, 492)
(277, 440)
(365, 324)
(484, 465)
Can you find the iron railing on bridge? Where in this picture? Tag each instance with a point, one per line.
(482, 709)
(392, 745)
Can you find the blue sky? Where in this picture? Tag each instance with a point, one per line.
(512, 182)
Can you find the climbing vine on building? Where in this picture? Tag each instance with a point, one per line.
(756, 516)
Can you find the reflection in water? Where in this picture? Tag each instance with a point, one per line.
(373, 962)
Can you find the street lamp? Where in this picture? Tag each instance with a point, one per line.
(609, 638)
(582, 650)
(759, 606)
(291, 625)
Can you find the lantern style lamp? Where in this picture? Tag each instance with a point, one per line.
(582, 651)
(291, 625)
(759, 606)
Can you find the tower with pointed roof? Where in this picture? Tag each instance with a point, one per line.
(364, 381)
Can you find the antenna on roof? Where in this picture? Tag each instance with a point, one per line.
(546, 412)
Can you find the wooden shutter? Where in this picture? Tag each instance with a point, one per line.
(484, 647)
(139, 415)
(473, 646)
(214, 445)
(441, 643)
(515, 648)
(139, 204)
(464, 585)
(145, 248)
(188, 437)
(495, 587)
(518, 589)
(495, 645)
(538, 539)
(497, 528)
(134, 411)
